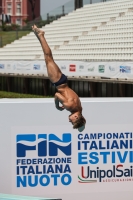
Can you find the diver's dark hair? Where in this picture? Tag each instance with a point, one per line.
(80, 122)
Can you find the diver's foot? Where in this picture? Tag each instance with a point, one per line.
(37, 32)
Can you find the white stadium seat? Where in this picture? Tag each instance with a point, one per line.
(100, 31)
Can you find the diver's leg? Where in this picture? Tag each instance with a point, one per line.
(54, 73)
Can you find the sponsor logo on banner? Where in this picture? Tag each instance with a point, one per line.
(125, 69)
(112, 69)
(105, 157)
(91, 69)
(2, 66)
(63, 67)
(101, 68)
(81, 68)
(72, 68)
(24, 67)
(43, 159)
(36, 67)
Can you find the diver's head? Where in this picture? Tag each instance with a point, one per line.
(78, 121)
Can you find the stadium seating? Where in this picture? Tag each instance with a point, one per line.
(96, 32)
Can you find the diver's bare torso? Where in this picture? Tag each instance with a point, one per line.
(72, 102)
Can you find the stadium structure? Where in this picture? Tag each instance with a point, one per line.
(93, 43)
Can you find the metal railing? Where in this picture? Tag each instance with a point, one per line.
(43, 87)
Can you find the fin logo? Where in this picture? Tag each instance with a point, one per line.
(44, 144)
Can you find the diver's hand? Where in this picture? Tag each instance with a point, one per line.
(60, 108)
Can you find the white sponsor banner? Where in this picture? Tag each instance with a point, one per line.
(55, 159)
(71, 68)
(42, 155)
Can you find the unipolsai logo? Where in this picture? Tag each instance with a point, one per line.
(101, 68)
(2, 66)
(125, 69)
(43, 159)
(94, 175)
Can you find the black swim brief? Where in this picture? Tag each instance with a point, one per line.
(62, 80)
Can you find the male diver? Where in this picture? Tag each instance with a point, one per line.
(64, 95)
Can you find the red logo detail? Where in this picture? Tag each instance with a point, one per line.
(119, 166)
(72, 68)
